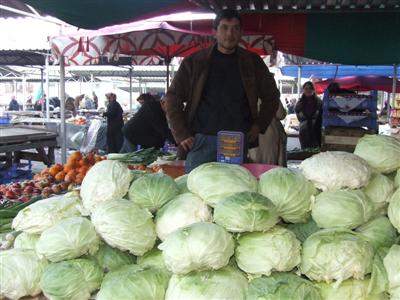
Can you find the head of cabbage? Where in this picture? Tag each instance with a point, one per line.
(246, 211)
(183, 210)
(379, 190)
(26, 241)
(71, 238)
(181, 181)
(71, 279)
(282, 286)
(197, 247)
(304, 230)
(290, 192)
(392, 266)
(134, 282)
(106, 180)
(152, 258)
(379, 232)
(152, 191)
(336, 254)
(45, 213)
(124, 225)
(394, 209)
(382, 152)
(214, 181)
(333, 170)
(20, 272)
(111, 258)
(342, 208)
(261, 253)
(226, 283)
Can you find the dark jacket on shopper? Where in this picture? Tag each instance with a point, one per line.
(115, 123)
(309, 113)
(148, 127)
(13, 105)
(185, 93)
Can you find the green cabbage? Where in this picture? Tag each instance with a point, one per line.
(71, 280)
(45, 213)
(349, 290)
(342, 208)
(153, 190)
(382, 152)
(336, 254)
(379, 282)
(396, 179)
(214, 181)
(379, 232)
(26, 241)
(134, 282)
(291, 193)
(20, 272)
(181, 181)
(303, 230)
(394, 209)
(392, 266)
(153, 258)
(246, 211)
(181, 211)
(223, 284)
(124, 225)
(200, 246)
(264, 252)
(282, 286)
(379, 189)
(106, 180)
(334, 170)
(71, 238)
(111, 259)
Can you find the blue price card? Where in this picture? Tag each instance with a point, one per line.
(230, 147)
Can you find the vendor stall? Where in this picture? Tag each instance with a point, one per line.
(13, 140)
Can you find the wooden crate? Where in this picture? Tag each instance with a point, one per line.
(342, 138)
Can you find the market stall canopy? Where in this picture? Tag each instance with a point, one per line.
(165, 39)
(334, 71)
(94, 14)
(360, 83)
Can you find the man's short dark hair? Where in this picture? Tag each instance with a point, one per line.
(226, 14)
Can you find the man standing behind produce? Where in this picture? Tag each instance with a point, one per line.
(221, 87)
(114, 124)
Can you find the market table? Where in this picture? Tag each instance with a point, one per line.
(17, 138)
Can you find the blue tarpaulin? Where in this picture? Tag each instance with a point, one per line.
(334, 71)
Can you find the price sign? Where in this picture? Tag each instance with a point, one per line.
(230, 147)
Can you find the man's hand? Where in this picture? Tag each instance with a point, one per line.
(253, 133)
(187, 144)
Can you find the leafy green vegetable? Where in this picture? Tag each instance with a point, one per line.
(263, 252)
(111, 259)
(246, 211)
(71, 280)
(379, 232)
(124, 225)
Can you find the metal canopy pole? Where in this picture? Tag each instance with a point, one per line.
(47, 89)
(130, 88)
(298, 82)
(41, 89)
(63, 131)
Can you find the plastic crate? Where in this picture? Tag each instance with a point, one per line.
(5, 120)
(349, 120)
(350, 102)
(16, 173)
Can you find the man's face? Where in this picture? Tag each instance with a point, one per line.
(228, 35)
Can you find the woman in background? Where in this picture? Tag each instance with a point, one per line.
(114, 124)
(309, 112)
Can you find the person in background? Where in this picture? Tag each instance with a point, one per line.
(13, 104)
(95, 100)
(114, 123)
(309, 112)
(291, 106)
(147, 128)
(89, 103)
(78, 100)
(218, 88)
(145, 98)
(273, 143)
(70, 105)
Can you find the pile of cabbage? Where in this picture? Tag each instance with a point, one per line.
(326, 231)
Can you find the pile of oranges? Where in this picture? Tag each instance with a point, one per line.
(75, 169)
